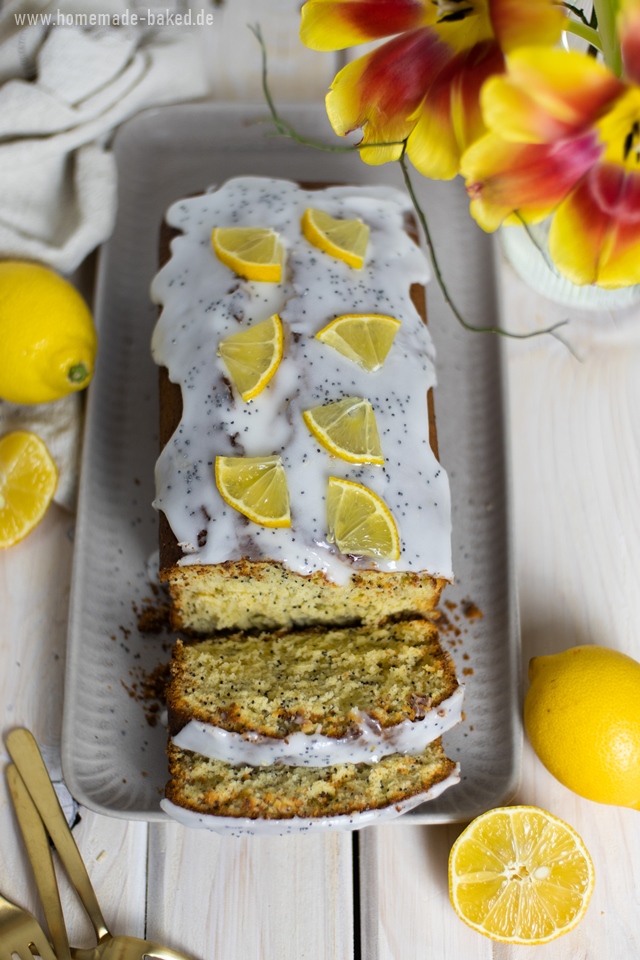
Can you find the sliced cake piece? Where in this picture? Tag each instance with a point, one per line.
(313, 697)
(209, 793)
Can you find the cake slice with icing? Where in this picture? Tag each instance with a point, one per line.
(313, 698)
(223, 570)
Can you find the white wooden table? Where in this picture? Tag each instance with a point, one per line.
(575, 437)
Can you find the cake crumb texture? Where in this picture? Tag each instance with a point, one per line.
(264, 595)
(280, 792)
(315, 681)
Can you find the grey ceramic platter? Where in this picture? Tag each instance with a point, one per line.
(113, 753)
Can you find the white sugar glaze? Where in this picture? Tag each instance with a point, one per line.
(244, 826)
(368, 745)
(204, 301)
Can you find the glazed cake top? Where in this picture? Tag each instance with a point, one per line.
(203, 301)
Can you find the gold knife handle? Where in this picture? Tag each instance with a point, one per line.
(39, 851)
(24, 752)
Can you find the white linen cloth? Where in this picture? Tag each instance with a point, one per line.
(57, 176)
(63, 91)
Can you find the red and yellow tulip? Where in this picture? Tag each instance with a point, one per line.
(564, 139)
(423, 85)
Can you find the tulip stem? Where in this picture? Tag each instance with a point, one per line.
(606, 13)
(577, 12)
(441, 282)
(585, 32)
(285, 129)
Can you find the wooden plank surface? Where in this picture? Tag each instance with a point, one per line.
(233, 56)
(34, 594)
(260, 897)
(575, 434)
(575, 440)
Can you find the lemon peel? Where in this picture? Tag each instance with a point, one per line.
(256, 487)
(255, 253)
(47, 333)
(582, 716)
(359, 522)
(252, 356)
(363, 338)
(344, 239)
(347, 429)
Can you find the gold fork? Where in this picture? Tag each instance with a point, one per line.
(19, 932)
(30, 768)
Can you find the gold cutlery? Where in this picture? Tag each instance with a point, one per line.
(19, 932)
(26, 756)
(39, 850)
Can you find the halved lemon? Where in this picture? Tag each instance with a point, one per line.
(252, 356)
(364, 338)
(28, 480)
(344, 239)
(255, 487)
(255, 253)
(359, 522)
(520, 875)
(347, 428)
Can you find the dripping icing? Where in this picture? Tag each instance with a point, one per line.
(203, 301)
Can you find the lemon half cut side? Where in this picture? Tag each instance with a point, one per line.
(345, 240)
(255, 253)
(28, 480)
(347, 428)
(363, 338)
(255, 487)
(359, 522)
(252, 356)
(520, 875)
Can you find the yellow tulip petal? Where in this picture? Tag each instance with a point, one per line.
(595, 234)
(516, 24)
(569, 85)
(450, 119)
(547, 94)
(336, 24)
(618, 130)
(381, 91)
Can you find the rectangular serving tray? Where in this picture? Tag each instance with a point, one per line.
(113, 753)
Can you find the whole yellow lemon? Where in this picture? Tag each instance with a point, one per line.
(47, 335)
(582, 716)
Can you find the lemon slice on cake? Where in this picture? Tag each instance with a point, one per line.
(520, 875)
(255, 253)
(252, 356)
(359, 522)
(28, 480)
(364, 338)
(344, 239)
(347, 428)
(255, 487)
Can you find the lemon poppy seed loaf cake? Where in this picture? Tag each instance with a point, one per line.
(364, 537)
(243, 799)
(314, 697)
